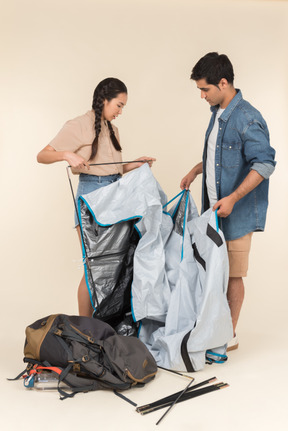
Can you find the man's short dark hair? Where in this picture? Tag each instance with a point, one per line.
(213, 67)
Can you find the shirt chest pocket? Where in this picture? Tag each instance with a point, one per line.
(231, 154)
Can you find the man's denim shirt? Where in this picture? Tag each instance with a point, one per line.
(242, 144)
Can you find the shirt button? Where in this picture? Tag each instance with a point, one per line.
(220, 128)
(230, 147)
(217, 164)
(217, 182)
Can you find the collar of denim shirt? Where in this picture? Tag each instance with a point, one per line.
(230, 108)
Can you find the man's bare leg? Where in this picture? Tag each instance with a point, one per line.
(235, 296)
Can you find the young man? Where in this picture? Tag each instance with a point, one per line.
(237, 162)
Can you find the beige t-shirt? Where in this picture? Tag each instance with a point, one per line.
(77, 136)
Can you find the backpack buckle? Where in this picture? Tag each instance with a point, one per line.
(58, 332)
(85, 358)
(76, 368)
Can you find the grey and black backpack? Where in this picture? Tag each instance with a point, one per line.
(86, 354)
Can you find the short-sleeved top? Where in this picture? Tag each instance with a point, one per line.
(77, 136)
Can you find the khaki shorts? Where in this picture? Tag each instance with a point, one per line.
(238, 254)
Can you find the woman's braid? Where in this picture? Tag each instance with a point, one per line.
(114, 140)
(97, 106)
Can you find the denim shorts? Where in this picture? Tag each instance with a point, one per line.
(89, 183)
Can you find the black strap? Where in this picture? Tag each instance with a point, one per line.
(74, 391)
(31, 363)
(185, 354)
(73, 336)
(124, 398)
(19, 375)
(214, 235)
(198, 257)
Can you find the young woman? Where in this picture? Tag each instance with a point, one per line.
(90, 139)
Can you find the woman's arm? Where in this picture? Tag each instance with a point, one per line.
(50, 155)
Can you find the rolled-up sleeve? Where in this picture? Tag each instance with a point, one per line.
(257, 149)
(263, 169)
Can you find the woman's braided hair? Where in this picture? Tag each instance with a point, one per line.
(107, 89)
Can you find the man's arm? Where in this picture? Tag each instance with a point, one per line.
(190, 177)
(226, 205)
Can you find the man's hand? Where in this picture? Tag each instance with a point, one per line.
(225, 206)
(187, 180)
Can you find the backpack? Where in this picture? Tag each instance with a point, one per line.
(86, 354)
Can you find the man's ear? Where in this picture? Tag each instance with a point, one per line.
(223, 84)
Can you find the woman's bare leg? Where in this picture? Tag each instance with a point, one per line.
(84, 303)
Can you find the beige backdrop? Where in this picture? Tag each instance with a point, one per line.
(53, 53)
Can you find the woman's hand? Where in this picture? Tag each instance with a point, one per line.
(138, 162)
(146, 159)
(50, 155)
(76, 161)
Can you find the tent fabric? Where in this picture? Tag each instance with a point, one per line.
(198, 316)
(111, 219)
(168, 269)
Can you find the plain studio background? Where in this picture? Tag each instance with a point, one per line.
(53, 53)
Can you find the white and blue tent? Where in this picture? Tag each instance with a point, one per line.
(160, 273)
